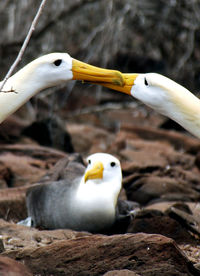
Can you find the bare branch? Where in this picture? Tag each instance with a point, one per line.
(25, 43)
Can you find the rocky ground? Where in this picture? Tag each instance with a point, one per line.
(160, 173)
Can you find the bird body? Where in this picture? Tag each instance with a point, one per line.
(86, 203)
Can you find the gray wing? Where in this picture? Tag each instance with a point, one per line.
(49, 203)
(66, 168)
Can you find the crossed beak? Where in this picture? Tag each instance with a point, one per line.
(112, 79)
(96, 172)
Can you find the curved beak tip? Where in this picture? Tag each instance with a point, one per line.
(112, 79)
(96, 172)
(86, 72)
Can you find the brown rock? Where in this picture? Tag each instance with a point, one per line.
(1, 246)
(168, 174)
(187, 219)
(11, 128)
(94, 255)
(152, 187)
(137, 158)
(16, 236)
(10, 267)
(123, 272)
(5, 176)
(197, 160)
(24, 164)
(90, 139)
(12, 203)
(178, 140)
(49, 132)
(156, 222)
(149, 156)
(109, 115)
(161, 206)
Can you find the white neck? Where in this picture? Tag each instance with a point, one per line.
(99, 196)
(186, 112)
(24, 84)
(172, 100)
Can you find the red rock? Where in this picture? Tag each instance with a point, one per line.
(137, 158)
(25, 164)
(10, 267)
(178, 140)
(144, 254)
(90, 139)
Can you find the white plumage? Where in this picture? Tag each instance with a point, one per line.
(165, 96)
(44, 72)
(87, 203)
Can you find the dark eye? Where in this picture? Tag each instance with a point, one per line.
(89, 161)
(146, 82)
(58, 62)
(112, 164)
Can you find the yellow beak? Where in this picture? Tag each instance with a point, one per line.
(128, 80)
(96, 172)
(85, 72)
(112, 79)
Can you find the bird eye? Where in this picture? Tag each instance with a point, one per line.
(57, 62)
(89, 161)
(146, 82)
(112, 164)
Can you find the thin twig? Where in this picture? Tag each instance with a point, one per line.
(25, 43)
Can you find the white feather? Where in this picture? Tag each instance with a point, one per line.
(31, 79)
(170, 99)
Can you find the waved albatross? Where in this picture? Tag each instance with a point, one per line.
(165, 96)
(84, 203)
(48, 71)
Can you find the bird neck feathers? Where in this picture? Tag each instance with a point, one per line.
(184, 108)
(19, 89)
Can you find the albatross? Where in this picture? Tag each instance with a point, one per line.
(85, 202)
(44, 72)
(165, 96)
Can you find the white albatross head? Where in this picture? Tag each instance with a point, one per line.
(102, 180)
(98, 192)
(163, 95)
(102, 166)
(48, 71)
